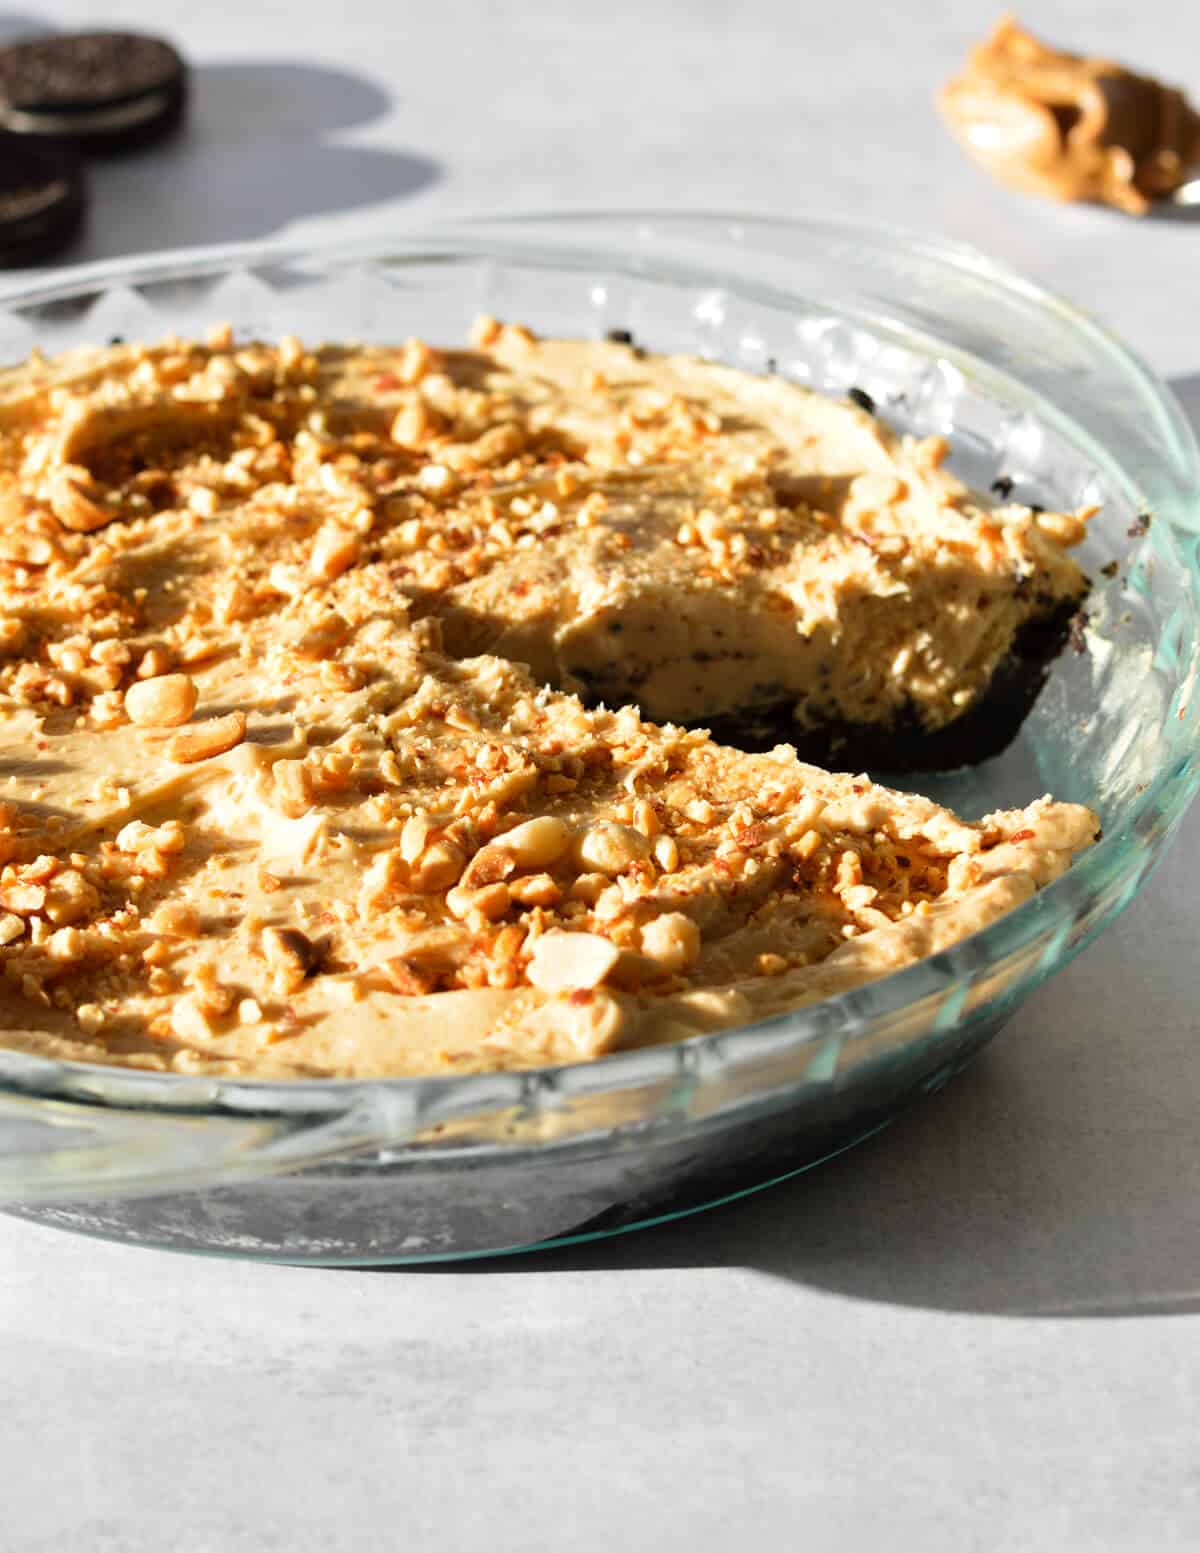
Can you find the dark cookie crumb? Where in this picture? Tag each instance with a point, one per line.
(1110, 568)
(619, 336)
(1076, 628)
(905, 744)
(1002, 486)
(862, 399)
(1139, 526)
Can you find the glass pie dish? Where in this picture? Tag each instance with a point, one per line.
(943, 341)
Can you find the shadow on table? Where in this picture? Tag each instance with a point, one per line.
(252, 157)
(1059, 1176)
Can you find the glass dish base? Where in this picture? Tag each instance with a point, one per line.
(1032, 395)
(397, 1214)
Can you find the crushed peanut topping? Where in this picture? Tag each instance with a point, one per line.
(278, 801)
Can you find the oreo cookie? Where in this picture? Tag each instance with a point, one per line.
(42, 200)
(99, 91)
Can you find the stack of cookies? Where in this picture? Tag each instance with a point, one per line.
(64, 97)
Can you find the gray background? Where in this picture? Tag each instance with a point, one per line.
(980, 1331)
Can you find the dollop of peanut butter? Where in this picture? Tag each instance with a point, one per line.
(1068, 126)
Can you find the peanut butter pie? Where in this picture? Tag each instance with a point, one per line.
(317, 701)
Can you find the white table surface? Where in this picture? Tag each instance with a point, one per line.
(980, 1331)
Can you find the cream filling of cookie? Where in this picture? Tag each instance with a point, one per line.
(255, 821)
(97, 121)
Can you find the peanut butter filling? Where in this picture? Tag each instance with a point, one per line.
(257, 820)
(1068, 126)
